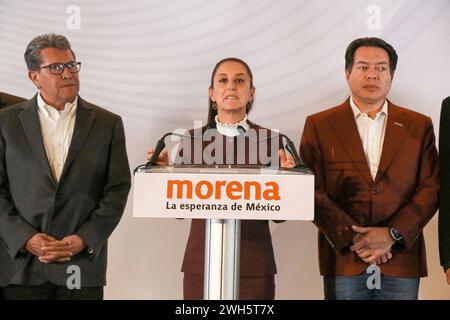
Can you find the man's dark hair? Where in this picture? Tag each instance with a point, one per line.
(370, 42)
(33, 51)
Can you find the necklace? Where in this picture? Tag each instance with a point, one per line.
(231, 124)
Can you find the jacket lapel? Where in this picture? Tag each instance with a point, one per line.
(396, 128)
(344, 125)
(29, 119)
(83, 122)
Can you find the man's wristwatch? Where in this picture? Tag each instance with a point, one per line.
(395, 234)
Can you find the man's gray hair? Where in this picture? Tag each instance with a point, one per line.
(33, 52)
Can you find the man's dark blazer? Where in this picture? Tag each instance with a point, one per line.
(404, 193)
(8, 100)
(5, 101)
(88, 200)
(444, 208)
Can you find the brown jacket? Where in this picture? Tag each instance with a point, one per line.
(404, 194)
(257, 257)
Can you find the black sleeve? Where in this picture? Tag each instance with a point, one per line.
(444, 207)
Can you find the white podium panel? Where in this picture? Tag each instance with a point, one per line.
(223, 193)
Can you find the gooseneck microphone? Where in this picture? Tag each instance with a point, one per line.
(290, 147)
(160, 145)
(241, 130)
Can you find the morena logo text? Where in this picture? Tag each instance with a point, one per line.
(232, 190)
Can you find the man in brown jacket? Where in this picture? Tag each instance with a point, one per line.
(376, 170)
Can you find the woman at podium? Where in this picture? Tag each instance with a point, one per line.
(231, 97)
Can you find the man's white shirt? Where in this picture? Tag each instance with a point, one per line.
(57, 130)
(371, 132)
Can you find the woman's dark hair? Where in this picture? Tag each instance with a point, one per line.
(212, 112)
(370, 42)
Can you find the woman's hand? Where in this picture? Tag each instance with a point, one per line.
(286, 161)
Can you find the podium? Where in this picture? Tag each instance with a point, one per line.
(224, 195)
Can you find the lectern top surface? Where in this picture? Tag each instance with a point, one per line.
(224, 169)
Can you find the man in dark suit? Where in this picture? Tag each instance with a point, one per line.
(7, 100)
(64, 182)
(376, 170)
(444, 208)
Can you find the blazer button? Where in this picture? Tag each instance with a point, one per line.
(375, 191)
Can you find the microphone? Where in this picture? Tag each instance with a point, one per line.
(290, 147)
(160, 145)
(293, 151)
(241, 130)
